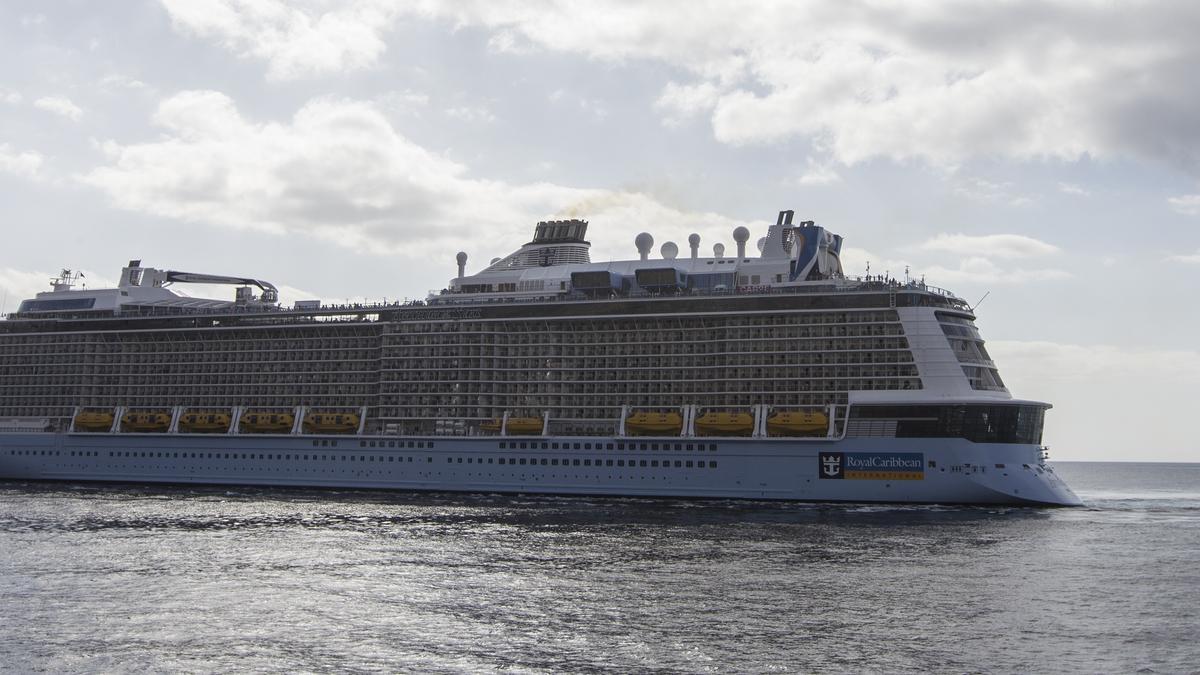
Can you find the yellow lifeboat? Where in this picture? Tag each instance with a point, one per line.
(654, 424)
(93, 420)
(525, 426)
(797, 423)
(266, 422)
(517, 426)
(725, 424)
(204, 422)
(330, 423)
(145, 421)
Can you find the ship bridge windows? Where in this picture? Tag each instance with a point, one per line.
(975, 422)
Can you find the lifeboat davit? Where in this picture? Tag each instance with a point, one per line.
(654, 424)
(93, 420)
(146, 421)
(330, 423)
(725, 424)
(797, 423)
(266, 422)
(204, 422)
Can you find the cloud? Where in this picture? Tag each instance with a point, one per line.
(117, 81)
(818, 173)
(471, 114)
(59, 105)
(26, 163)
(984, 190)
(1150, 386)
(989, 245)
(296, 40)
(982, 270)
(972, 269)
(593, 107)
(406, 102)
(928, 81)
(10, 97)
(17, 285)
(855, 263)
(681, 102)
(1073, 189)
(1188, 205)
(1084, 362)
(340, 172)
(1193, 259)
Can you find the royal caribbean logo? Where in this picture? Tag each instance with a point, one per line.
(871, 465)
(831, 464)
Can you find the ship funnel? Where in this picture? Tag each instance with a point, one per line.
(462, 264)
(694, 242)
(644, 243)
(741, 235)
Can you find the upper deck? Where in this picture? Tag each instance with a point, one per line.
(797, 267)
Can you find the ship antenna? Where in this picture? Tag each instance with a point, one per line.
(980, 301)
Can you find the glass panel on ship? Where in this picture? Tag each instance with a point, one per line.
(540, 342)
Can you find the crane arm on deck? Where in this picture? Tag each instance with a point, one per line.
(270, 293)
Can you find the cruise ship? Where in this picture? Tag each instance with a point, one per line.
(766, 375)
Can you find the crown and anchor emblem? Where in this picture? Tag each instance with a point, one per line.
(831, 465)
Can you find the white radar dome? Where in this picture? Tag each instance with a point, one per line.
(644, 243)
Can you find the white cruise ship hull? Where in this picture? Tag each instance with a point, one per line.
(888, 470)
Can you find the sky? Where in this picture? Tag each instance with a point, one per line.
(1043, 156)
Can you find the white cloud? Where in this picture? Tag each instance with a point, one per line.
(1188, 205)
(406, 102)
(296, 40)
(911, 81)
(858, 262)
(984, 190)
(681, 102)
(989, 245)
(1073, 189)
(471, 114)
(17, 285)
(925, 81)
(1138, 390)
(26, 163)
(10, 97)
(59, 105)
(116, 81)
(979, 270)
(1084, 362)
(972, 269)
(1193, 259)
(340, 172)
(818, 173)
(590, 106)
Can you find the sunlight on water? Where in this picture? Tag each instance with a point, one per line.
(138, 578)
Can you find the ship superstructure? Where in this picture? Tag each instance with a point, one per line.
(775, 353)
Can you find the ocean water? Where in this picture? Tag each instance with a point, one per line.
(127, 578)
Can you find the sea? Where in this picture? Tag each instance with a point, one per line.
(125, 578)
